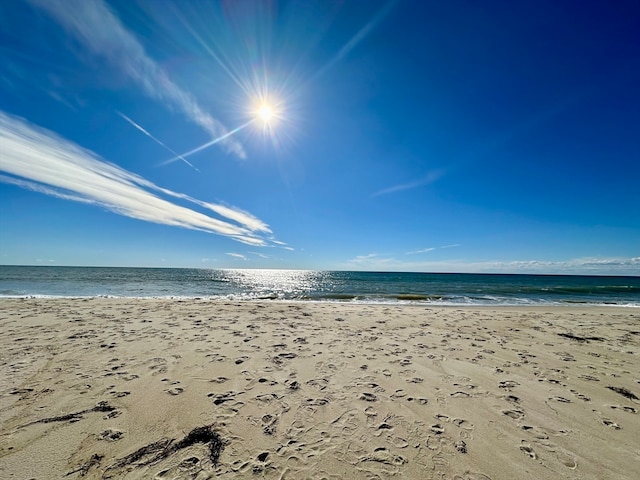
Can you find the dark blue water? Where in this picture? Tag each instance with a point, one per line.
(301, 285)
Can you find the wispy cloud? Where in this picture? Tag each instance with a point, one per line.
(422, 250)
(426, 180)
(580, 266)
(97, 29)
(237, 255)
(39, 160)
(431, 249)
(282, 245)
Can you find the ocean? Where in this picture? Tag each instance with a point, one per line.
(307, 285)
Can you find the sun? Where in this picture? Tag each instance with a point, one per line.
(265, 112)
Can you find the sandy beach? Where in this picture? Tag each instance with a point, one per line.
(171, 389)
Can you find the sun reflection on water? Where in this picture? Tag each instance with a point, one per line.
(275, 284)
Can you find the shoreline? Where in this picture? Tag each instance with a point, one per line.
(394, 303)
(310, 389)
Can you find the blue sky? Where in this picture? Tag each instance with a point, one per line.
(420, 136)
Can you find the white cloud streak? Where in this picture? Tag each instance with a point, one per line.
(46, 163)
(97, 29)
(431, 249)
(426, 180)
(579, 266)
(423, 250)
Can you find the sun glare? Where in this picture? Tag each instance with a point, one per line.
(265, 112)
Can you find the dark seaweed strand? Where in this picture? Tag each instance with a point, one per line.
(166, 447)
(571, 336)
(624, 392)
(100, 407)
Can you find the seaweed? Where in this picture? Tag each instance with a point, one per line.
(624, 392)
(161, 449)
(75, 416)
(205, 434)
(571, 336)
(159, 446)
(85, 467)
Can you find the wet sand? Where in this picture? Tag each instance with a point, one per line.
(172, 389)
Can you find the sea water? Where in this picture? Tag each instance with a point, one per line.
(304, 285)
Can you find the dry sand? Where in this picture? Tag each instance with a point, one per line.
(163, 389)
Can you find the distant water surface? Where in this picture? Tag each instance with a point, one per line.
(301, 285)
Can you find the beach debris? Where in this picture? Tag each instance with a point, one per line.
(163, 448)
(624, 392)
(86, 466)
(571, 336)
(75, 416)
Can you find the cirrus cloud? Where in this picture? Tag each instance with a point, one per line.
(39, 160)
(97, 29)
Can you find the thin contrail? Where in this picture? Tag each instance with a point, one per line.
(143, 130)
(208, 144)
(356, 39)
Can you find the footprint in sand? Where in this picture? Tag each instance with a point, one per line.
(472, 476)
(120, 394)
(399, 442)
(269, 424)
(566, 459)
(384, 456)
(463, 424)
(526, 448)
(536, 432)
(581, 396)
(508, 384)
(111, 435)
(316, 402)
(461, 446)
(399, 394)
(611, 424)
(515, 414)
(560, 399)
(437, 429)
(624, 409)
(175, 391)
(459, 395)
(368, 397)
